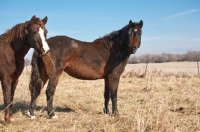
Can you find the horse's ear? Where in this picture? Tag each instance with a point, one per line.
(32, 19)
(130, 23)
(45, 20)
(141, 23)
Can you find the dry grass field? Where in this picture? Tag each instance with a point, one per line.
(167, 99)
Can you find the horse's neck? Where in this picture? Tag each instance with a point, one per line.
(20, 48)
(119, 49)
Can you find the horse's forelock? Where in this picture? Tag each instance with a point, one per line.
(38, 22)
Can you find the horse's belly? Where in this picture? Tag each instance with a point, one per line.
(86, 72)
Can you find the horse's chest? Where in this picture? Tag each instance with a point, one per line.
(19, 67)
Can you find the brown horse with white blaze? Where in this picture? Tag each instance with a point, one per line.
(104, 58)
(14, 45)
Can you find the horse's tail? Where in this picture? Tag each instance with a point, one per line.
(35, 70)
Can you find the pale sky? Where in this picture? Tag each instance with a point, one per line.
(170, 26)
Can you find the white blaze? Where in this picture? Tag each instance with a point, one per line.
(45, 46)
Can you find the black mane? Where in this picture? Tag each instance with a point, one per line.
(113, 34)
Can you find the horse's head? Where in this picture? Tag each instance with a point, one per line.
(134, 33)
(36, 35)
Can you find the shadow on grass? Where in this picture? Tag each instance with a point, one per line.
(187, 111)
(24, 106)
(60, 109)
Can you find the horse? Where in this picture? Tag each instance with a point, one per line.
(14, 45)
(104, 58)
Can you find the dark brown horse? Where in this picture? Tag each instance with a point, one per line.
(14, 45)
(105, 57)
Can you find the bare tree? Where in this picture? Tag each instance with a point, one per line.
(27, 63)
(159, 58)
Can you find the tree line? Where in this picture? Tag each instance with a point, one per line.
(157, 58)
(164, 57)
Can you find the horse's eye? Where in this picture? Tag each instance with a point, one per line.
(34, 32)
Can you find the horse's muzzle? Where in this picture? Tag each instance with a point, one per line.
(132, 49)
(43, 52)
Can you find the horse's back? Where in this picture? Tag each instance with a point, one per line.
(59, 42)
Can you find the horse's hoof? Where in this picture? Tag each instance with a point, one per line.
(54, 117)
(7, 121)
(105, 111)
(115, 114)
(29, 114)
(32, 117)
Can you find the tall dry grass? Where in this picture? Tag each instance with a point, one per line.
(163, 100)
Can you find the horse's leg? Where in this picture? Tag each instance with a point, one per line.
(114, 96)
(6, 88)
(50, 91)
(111, 86)
(13, 87)
(35, 89)
(106, 96)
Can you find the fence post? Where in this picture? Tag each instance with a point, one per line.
(146, 68)
(198, 67)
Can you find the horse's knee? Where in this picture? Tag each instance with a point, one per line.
(51, 88)
(36, 88)
(114, 98)
(39, 86)
(50, 92)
